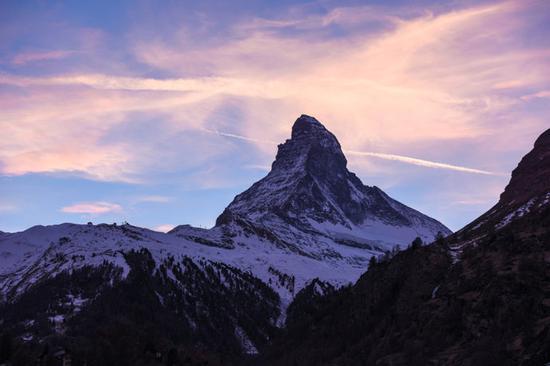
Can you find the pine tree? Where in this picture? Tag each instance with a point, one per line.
(417, 243)
(6, 348)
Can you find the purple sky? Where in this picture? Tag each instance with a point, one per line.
(158, 113)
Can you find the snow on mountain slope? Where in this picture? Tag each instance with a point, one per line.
(44, 251)
(308, 218)
(310, 190)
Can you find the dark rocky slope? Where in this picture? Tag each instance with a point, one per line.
(479, 297)
(197, 316)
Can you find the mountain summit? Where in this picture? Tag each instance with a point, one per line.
(311, 189)
(311, 148)
(531, 178)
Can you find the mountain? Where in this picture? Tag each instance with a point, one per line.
(318, 217)
(121, 294)
(527, 192)
(309, 192)
(478, 297)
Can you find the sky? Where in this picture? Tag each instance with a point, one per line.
(158, 113)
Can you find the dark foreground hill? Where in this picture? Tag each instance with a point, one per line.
(478, 297)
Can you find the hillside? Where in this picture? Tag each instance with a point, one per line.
(478, 297)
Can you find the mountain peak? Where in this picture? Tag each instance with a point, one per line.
(307, 125)
(307, 130)
(543, 140)
(531, 178)
(311, 148)
(527, 192)
(309, 187)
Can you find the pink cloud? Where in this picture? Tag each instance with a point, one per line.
(60, 129)
(418, 80)
(429, 77)
(6, 207)
(540, 94)
(92, 208)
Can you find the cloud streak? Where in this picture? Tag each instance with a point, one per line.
(5, 207)
(29, 57)
(429, 84)
(92, 208)
(144, 102)
(154, 199)
(421, 162)
(239, 137)
(396, 81)
(393, 157)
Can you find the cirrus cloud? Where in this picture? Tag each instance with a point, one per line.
(26, 57)
(396, 81)
(145, 104)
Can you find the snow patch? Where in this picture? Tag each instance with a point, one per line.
(434, 291)
(27, 337)
(518, 213)
(246, 343)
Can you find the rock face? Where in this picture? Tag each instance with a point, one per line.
(309, 180)
(527, 191)
(311, 189)
(532, 176)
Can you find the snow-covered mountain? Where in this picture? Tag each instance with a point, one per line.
(308, 218)
(310, 194)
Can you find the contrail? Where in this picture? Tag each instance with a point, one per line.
(421, 162)
(393, 157)
(239, 137)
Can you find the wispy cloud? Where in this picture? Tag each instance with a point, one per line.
(154, 198)
(144, 102)
(28, 57)
(239, 137)
(421, 162)
(400, 158)
(211, 85)
(474, 201)
(409, 80)
(540, 94)
(92, 208)
(6, 207)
